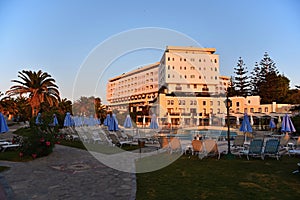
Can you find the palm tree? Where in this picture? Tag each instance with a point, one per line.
(38, 86)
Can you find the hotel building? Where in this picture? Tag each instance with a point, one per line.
(184, 88)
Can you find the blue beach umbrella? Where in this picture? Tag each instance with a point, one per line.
(55, 121)
(68, 121)
(272, 124)
(287, 125)
(127, 122)
(153, 123)
(38, 119)
(107, 120)
(246, 126)
(3, 125)
(91, 121)
(113, 124)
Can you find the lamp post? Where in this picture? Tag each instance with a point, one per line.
(228, 104)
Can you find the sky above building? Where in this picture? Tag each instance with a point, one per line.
(62, 37)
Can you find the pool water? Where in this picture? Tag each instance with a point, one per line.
(215, 134)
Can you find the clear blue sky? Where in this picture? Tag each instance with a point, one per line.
(57, 36)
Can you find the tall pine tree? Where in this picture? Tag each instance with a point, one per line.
(241, 81)
(267, 83)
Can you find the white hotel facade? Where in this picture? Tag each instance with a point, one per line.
(185, 87)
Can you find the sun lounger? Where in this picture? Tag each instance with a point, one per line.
(115, 140)
(9, 146)
(271, 148)
(175, 145)
(238, 143)
(255, 149)
(211, 148)
(197, 147)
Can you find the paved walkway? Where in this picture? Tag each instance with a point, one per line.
(66, 174)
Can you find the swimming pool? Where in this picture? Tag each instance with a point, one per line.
(214, 134)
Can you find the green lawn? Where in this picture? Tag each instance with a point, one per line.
(192, 178)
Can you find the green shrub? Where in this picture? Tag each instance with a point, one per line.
(38, 142)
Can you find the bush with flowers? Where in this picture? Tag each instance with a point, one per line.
(38, 144)
(39, 140)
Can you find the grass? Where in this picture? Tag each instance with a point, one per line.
(192, 178)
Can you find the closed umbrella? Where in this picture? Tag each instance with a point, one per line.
(127, 122)
(144, 120)
(113, 124)
(223, 121)
(246, 126)
(153, 123)
(210, 120)
(251, 120)
(55, 121)
(237, 120)
(107, 120)
(3, 125)
(287, 125)
(38, 119)
(68, 121)
(272, 124)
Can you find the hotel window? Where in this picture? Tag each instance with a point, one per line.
(203, 60)
(195, 86)
(180, 76)
(215, 60)
(172, 102)
(183, 102)
(184, 76)
(179, 102)
(180, 68)
(259, 109)
(192, 76)
(168, 75)
(173, 59)
(191, 102)
(211, 103)
(195, 102)
(211, 111)
(251, 110)
(199, 60)
(211, 69)
(204, 68)
(237, 104)
(173, 67)
(168, 58)
(204, 103)
(184, 59)
(199, 77)
(266, 109)
(249, 101)
(168, 102)
(173, 76)
(216, 78)
(192, 68)
(188, 85)
(219, 103)
(216, 69)
(200, 68)
(192, 59)
(184, 68)
(219, 111)
(204, 111)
